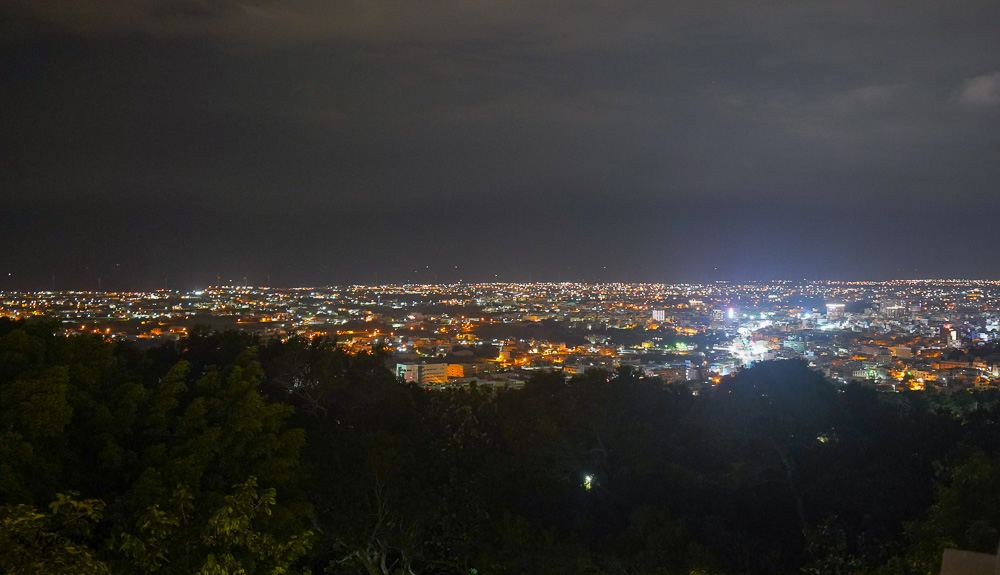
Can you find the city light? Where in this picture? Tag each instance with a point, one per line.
(490, 333)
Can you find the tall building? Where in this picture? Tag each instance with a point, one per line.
(659, 315)
(949, 337)
(835, 311)
(731, 316)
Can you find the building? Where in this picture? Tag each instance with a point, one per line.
(422, 373)
(901, 351)
(949, 336)
(457, 370)
(893, 308)
(729, 316)
(835, 311)
(958, 562)
(659, 315)
(795, 344)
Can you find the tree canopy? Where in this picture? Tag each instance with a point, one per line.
(223, 453)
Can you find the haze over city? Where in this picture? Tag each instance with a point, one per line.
(184, 143)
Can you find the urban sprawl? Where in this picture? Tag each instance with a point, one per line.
(897, 335)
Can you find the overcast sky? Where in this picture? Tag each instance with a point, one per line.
(310, 142)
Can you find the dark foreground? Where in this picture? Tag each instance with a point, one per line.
(221, 453)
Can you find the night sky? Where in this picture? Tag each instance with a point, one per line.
(315, 142)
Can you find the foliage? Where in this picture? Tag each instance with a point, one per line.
(125, 427)
(230, 541)
(223, 453)
(54, 542)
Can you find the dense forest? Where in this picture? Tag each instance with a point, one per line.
(224, 454)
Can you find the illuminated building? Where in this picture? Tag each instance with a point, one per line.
(901, 351)
(795, 344)
(732, 316)
(422, 373)
(949, 337)
(835, 311)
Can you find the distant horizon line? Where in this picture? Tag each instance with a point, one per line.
(803, 281)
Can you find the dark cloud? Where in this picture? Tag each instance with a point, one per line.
(981, 91)
(516, 138)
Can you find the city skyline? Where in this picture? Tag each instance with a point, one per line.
(898, 333)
